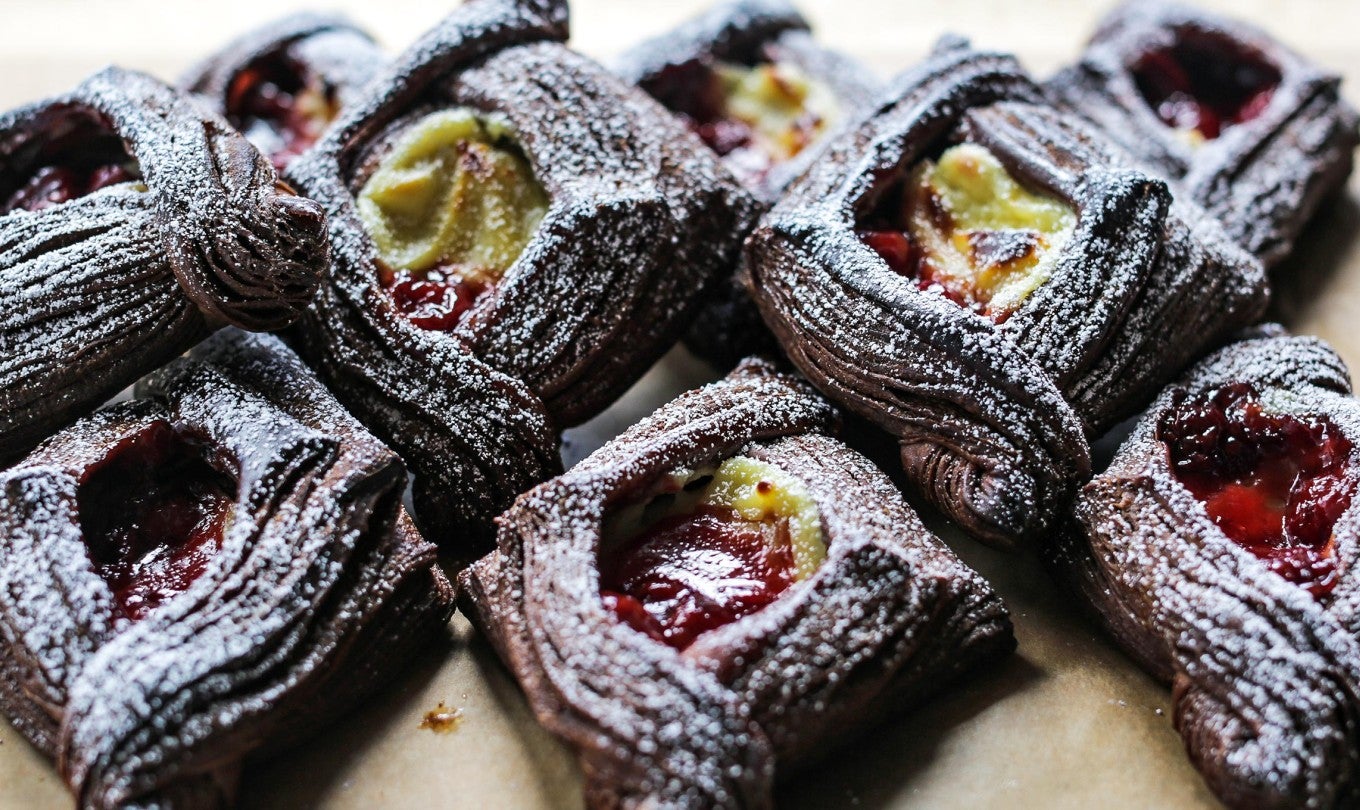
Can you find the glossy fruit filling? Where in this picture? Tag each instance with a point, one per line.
(754, 116)
(281, 107)
(1275, 483)
(962, 227)
(450, 207)
(1204, 84)
(153, 514)
(77, 153)
(704, 548)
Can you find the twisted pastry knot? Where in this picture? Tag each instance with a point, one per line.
(889, 615)
(1263, 671)
(134, 223)
(638, 219)
(190, 576)
(993, 413)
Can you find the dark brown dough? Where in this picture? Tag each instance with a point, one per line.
(641, 218)
(321, 589)
(993, 420)
(328, 46)
(99, 290)
(728, 326)
(1263, 178)
(1263, 674)
(891, 615)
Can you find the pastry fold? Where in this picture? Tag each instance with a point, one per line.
(103, 288)
(1263, 178)
(320, 589)
(640, 218)
(1263, 673)
(728, 327)
(890, 616)
(993, 419)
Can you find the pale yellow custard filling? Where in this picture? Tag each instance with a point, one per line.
(786, 109)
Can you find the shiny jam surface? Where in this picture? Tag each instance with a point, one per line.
(1203, 84)
(707, 549)
(78, 154)
(755, 116)
(1273, 482)
(281, 107)
(153, 514)
(963, 228)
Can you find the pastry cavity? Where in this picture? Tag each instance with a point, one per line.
(1204, 84)
(754, 116)
(75, 153)
(707, 547)
(450, 208)
(281, 106)
(963, 227)
(153, 514)
(1275, 483)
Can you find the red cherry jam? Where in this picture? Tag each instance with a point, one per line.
(76, 154)
(693, 91)
(1205, 84)
(434, 299)
(153, 514)
(688, 574)
(281, 107)
(1275, 483)
(903, 257)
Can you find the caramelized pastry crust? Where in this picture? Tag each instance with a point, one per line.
(788, 597)
(133, 223)
(284, 83)
(748, 77)
(1219, 549)
(220, 566)
(992, 409)
(1241, 124)
(638, 220)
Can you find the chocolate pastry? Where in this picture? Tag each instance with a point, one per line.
(518, 236)
(989, 281)
(722, 593)
(1244, 126)
(132, 224)
(188, 577)
(284, 83)
(749, 79)
(1218, 549)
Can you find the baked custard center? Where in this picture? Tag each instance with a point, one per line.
(755, 116)
(450, 208)
(75, 154)
(153, 514)
(708, 547)
(1273, 482)
(281, 107)
(1203, 85)
(963, 227)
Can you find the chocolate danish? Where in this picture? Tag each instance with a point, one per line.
(220, 566)
(283, 84)
(721, 593)
(750, 80)
(518, 235)
(992, 283)
(132, 224)
(1244, 126)
(1219, 551)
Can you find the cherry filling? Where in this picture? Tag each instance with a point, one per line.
(153, 514)
(433, 299)
(691, 573)
(904, 257)
(281, 107)
(693, 91)
(1274, 483)
(77, 154)
(1205, 84)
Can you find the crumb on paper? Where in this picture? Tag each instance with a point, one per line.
(442, 719)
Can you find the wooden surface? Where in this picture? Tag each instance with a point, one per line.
(1066, 723)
